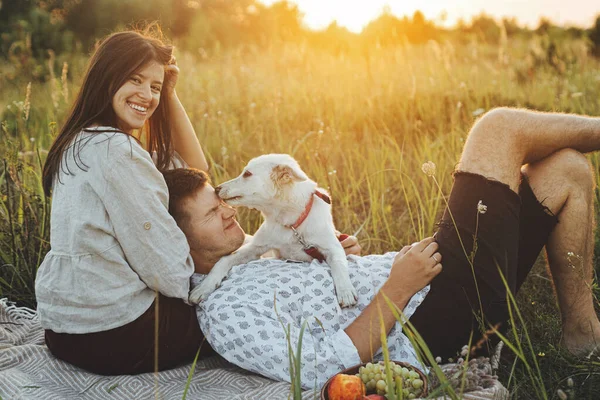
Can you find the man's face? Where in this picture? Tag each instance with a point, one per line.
(212, 230)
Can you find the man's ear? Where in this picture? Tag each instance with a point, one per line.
(285, 174)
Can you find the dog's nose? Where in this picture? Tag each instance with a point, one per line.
(217, 190)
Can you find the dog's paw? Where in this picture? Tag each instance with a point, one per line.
(347, 296)
(203, 290)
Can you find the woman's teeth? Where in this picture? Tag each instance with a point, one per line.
(137, 108)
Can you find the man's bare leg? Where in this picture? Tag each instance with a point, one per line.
(565, 182)
(499, 144)
(504, 139)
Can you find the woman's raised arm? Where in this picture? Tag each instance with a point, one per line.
(185, 141)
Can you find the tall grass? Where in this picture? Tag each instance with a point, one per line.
(360, 125)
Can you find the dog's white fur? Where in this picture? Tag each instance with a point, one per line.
(280, 190)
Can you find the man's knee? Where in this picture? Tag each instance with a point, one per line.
(492, 148)
(560, 174)
(575, 168)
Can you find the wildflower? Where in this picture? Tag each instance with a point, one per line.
(252, 105)
(561, 394)
(438, 359)
(481, 208)
(541, 354)
(576, 94)
(428, 168)
(478, 112)
(459, 105)
(32, 139)
(205, 115)
(27, 105)
(570, 382)
(320, 131)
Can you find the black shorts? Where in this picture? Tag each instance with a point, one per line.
(130, 349)
(510, 236)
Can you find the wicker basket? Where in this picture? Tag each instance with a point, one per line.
(354, 370)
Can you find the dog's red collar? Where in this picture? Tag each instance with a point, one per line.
(308, 207)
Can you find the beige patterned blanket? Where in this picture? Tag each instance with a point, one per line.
(29, 371)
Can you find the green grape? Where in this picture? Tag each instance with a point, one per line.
(404, 372)
(369, 366)
(405, 392)
(417, 383)
(364, 377)
(371, 376)
(412, 396)
(372, 384)
(377, 376)
(381, 384)
(413, 374)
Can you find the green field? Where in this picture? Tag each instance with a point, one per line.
(360, 124)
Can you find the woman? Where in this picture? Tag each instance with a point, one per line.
(111, 292)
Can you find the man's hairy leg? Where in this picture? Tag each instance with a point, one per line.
(504, 139)
(564, 182)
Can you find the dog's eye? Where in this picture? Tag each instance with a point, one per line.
(247, 174)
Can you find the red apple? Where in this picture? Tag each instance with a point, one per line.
(346, 387)
(374, 397)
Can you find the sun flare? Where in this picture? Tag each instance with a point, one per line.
(356, 14)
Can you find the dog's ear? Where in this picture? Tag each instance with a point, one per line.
(286, 174)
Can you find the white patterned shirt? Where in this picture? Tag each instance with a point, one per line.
(244, 319)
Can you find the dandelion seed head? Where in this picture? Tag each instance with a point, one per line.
(438, 359)
(428, 168)
(481, 208)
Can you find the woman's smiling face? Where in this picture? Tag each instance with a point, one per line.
(139, 96)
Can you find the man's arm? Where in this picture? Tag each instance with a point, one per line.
(413, 268)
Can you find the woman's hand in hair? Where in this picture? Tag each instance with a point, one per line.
(171, 75)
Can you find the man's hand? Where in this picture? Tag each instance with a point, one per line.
(349, 243)
(414, 267)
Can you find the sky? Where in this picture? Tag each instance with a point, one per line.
(354, 14)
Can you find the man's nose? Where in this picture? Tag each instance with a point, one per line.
(228, 211)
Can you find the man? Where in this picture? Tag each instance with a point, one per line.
(511, 159)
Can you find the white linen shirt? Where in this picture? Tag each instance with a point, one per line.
(113, 242)
(244, 319)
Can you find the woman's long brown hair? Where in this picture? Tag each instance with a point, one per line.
(116, 58)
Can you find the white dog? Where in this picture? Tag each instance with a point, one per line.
(297, 222)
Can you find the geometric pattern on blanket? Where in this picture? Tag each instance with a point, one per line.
(29, 371)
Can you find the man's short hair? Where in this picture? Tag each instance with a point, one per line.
(183, 183)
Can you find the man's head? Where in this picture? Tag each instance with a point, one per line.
(208, 223)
